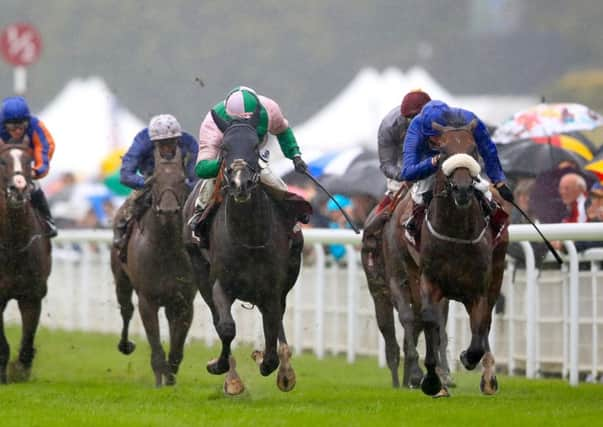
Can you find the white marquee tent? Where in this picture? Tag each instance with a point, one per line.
(353, 117)
(87, 123)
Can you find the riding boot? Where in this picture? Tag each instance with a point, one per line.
(414, 223)
(38, 200)
(120, 237)
(195, 225)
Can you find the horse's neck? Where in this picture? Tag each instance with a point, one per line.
(17, 226)
(445, 215)
(252, 218)
(168, 234)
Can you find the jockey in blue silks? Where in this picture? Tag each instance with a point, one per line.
(421, 155)
(138, 165)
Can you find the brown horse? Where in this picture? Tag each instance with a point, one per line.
(461, 256)
(251, 257)
(159, 269)
(388, 285)
(25, 252)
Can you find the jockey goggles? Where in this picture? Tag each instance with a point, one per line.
(11, 126)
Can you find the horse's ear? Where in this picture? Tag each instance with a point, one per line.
(219, 121)
(437, 126)
(472, 124)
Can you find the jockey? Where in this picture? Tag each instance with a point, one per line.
(17, 123)
(390, 139)
(241, 102)
(421, 156)
(138, 165)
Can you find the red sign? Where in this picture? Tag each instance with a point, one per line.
(20, 44)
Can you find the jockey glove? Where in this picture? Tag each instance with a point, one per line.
(505, 192)
(300, 165)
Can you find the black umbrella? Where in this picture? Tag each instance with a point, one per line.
(525, 158)
(361, 178)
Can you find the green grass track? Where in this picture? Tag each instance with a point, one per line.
(80, 379)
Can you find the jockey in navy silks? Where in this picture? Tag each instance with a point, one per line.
(138, 165)
(421, 155)
(17, 126)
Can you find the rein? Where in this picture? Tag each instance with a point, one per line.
(455, 239)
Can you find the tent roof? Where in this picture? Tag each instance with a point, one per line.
(87, 123)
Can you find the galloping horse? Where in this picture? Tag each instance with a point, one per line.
(389, 288)
(159, 269)
(25, 252)
(250, 256)
(461, 256)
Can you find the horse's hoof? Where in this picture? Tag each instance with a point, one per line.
(233, 386)
(126, 347)
(286, 379)
(431, 384)
(489, 387)
(465, 361)
(257, 356)
(414, 378)
(268, 366)
(170, 379)
(217, 366)
(442, 393)
(17, 372)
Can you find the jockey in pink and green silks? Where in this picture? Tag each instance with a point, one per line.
(241, 102)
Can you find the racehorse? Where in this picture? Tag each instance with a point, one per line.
(388, 286)
(25, 252)
(250, 256)
(461, 256)
(158, 268)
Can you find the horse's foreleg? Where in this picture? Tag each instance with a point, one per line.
(384, 311)
(412, 327)
(148, 312)
(444, 368)
(479, 319)
(30, 317)
(4, 347)
(272, 320)
(123, 291)
(225, 328)
(430, 315)
(180, 316)
(285, 379)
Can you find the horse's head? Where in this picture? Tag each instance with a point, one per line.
(240, 155)
(168, 187)
(458, 164)
(15, 173)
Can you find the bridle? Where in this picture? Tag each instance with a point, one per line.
(447, 168)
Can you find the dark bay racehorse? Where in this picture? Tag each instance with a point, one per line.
(250, 257)
(158, 269)
(25, 256)
(388, 285)
(461, 257)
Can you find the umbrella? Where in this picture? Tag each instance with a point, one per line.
(544, 120)
(530, 157)
(596, 166)
(361, 178)
(332, 163)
